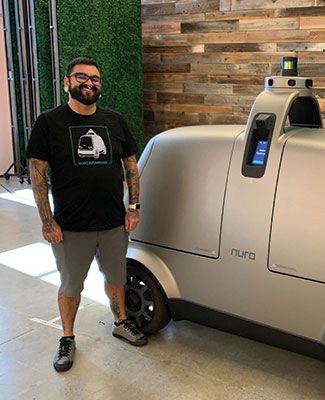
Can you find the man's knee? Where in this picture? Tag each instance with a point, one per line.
(70, 291)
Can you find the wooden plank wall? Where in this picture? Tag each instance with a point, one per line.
(204, 61)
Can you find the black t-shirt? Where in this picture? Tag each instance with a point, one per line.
(84, 154)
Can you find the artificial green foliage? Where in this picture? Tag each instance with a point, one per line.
(108, 31)
(44, 54)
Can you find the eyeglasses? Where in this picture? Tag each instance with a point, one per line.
(83, 78)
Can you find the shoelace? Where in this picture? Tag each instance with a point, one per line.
(65, 347)
(130, 327)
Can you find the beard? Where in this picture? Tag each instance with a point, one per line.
(86, 99)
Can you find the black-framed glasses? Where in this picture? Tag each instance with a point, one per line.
(83, 78)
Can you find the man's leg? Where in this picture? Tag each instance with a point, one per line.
(111, 257)
(68, 307)
(73, 258)
(116, 297)
(123, 328)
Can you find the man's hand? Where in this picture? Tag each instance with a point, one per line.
(132, 218)
(52, 232)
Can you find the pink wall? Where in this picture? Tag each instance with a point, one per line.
(6, 149)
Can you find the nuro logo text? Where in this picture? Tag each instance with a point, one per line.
(243, 254)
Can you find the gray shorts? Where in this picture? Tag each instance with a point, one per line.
(77, 251)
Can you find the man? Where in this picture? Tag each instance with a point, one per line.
(83, 145)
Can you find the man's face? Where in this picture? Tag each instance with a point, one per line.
(84, 84)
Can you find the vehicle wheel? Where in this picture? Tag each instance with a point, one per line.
(144, 300)
(96, 155)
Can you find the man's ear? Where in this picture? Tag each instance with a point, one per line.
(66, 84)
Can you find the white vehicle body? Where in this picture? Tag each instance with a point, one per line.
(232, 225)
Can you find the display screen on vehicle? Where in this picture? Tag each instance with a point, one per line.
(260, 153)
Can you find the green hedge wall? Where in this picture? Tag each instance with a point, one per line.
(44, 54)
(108, 31)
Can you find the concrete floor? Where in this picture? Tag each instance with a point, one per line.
(184, 361)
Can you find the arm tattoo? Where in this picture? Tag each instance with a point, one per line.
(40, 190)
(132, 178)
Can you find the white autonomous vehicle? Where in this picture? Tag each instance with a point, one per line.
(232, 228)
(91, 145)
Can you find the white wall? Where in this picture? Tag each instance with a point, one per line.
(6, 148)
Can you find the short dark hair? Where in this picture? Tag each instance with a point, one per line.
(81, 61)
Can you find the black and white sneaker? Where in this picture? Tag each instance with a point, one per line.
(128, 331)
(63, 359)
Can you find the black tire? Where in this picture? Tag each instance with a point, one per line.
(144, 300)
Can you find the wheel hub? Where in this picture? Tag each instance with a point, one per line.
(132, 300)
(139, 303)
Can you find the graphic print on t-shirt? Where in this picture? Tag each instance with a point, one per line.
(91, 145)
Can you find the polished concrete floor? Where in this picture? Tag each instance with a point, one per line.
(184, 361)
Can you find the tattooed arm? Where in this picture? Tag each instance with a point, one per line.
(132, 178)
(51, 230)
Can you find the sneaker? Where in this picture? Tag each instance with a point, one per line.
(63, 360)
(128, 331)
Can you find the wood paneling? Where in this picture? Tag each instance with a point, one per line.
(256, 37)
(210, 26)
(269, 24)
(172, 27)
(256, 4)
(204, 61)
(195, 6)
(303, 11)
(312, 22)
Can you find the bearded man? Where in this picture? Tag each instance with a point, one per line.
(85, 145)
